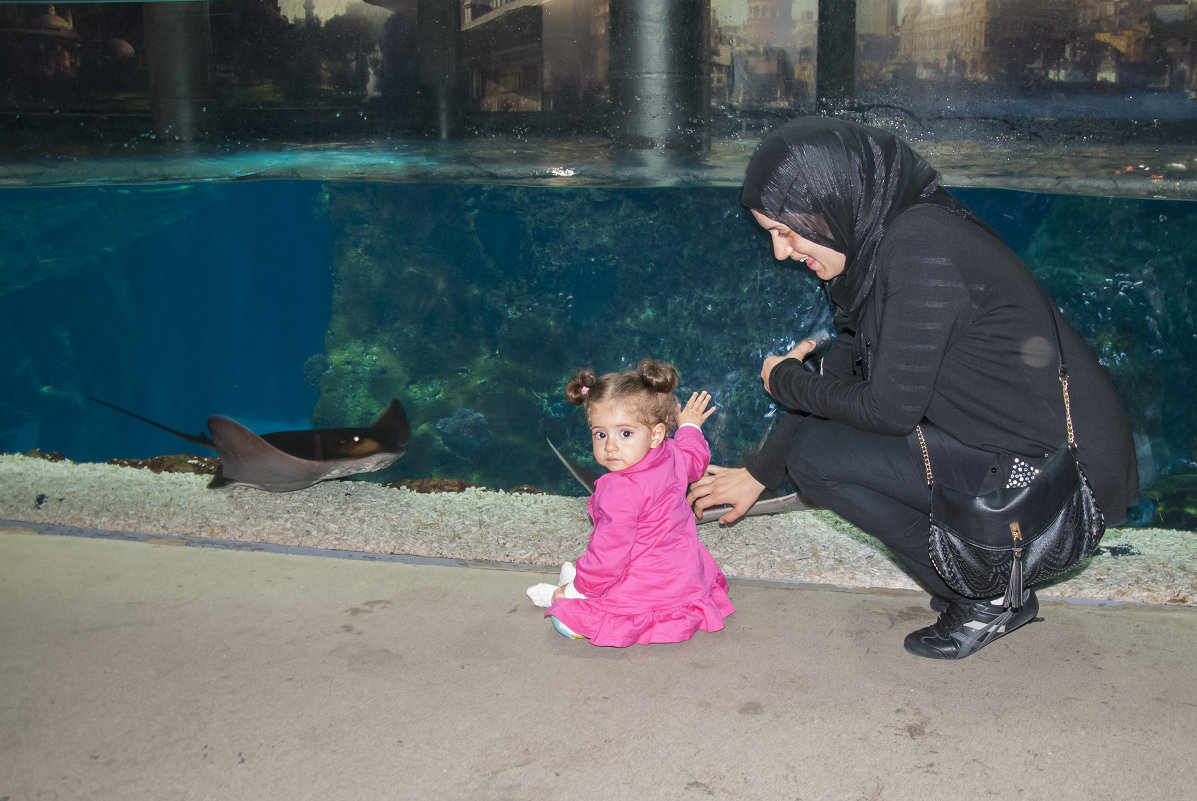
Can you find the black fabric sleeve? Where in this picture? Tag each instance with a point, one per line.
(768, 465)
(923, 301)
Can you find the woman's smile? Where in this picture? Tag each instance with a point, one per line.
(787, 244)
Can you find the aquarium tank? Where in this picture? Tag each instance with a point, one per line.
(291, 212)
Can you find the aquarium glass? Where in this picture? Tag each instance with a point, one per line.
(289, 304)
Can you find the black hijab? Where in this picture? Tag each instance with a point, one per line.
(841, 184)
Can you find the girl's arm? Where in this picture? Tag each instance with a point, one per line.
(690, 441)
(694, 450)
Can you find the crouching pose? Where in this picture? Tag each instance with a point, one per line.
(940, 326)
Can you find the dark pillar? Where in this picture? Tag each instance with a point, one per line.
(178, 45)
(835, 70)
(439, 25)
(659, 72)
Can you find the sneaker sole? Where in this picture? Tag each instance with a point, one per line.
(984, 635)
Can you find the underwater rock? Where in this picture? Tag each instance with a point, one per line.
(49, 456)
(173, 463)
(314, 369)
(495, 315)
(555, 406)
(430, 485)
(463, 431)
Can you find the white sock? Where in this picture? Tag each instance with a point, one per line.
(542, 594)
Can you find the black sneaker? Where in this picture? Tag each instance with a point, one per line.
(966, 627)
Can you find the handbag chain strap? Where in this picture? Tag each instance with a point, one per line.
(1067, 408)
(1063, 384)
(926, 457)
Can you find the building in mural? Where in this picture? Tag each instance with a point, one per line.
(481, 63)
(1131, 43)
(535, 55)
(49, 46)
(980, 40)
(876, 41)
(770, 23)
(770, 59)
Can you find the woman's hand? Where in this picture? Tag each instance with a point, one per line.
(695, 411)
(799, 352)
(733, 486)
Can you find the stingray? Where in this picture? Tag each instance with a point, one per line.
(291, 460)
(771, 503)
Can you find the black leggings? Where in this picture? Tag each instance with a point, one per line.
(877, 483)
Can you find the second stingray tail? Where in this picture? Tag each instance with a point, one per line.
(202, 440)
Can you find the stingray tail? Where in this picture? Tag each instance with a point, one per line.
(585, 477)
(202, 440)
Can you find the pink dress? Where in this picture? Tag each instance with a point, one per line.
(645, 575)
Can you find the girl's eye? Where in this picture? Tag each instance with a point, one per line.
(625, 434)
(599, 435)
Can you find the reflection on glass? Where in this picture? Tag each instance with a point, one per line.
(319, 70)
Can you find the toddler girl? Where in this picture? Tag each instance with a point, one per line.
(645, 577)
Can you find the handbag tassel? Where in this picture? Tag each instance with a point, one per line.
(1014, 588)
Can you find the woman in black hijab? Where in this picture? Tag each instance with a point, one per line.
(939, 324)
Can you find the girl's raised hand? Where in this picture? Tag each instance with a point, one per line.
(695, 411)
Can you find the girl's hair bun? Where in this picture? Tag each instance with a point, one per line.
(657, 376)
(650, 386)
(579, 387)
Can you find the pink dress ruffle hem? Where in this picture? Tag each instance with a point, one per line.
(605, 626)
(646, 576)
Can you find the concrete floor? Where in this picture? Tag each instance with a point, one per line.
(148, 671)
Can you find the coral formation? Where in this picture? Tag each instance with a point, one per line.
(314, 369)
(491, 302)
(486, 298)
(463, 432)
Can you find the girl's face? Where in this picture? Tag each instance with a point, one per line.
(822, 261)
(619, 438)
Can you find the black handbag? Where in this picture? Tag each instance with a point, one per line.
(999, 542)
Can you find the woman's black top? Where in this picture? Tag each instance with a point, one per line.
(956, 332)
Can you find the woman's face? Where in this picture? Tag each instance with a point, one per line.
(822, 261)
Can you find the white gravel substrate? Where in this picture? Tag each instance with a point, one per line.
(1135, 565)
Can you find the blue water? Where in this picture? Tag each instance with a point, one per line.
(288, 303)
(172, 301)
